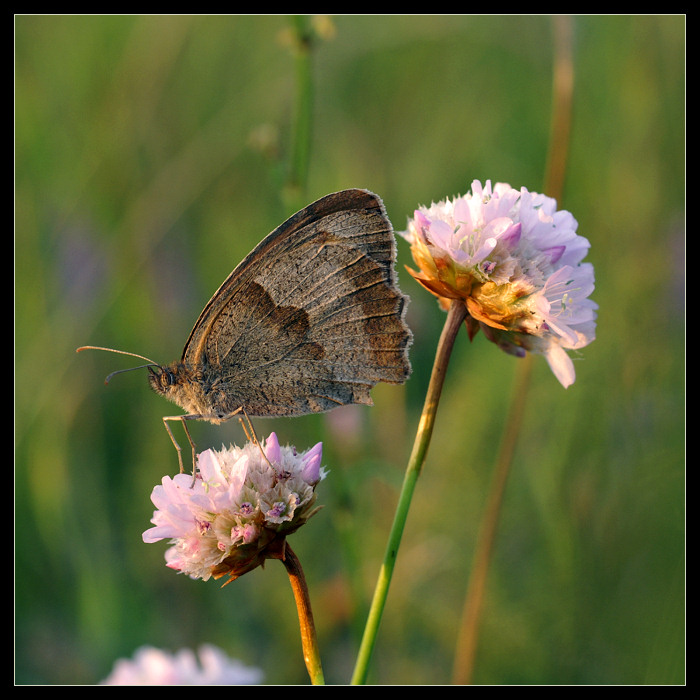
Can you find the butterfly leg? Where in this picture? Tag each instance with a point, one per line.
(244, 420)
(196, 416)
(249, 431)
(182, 419)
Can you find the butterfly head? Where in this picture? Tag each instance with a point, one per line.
(167, 380)
(162, 379)
(179, 384)
(176, 382)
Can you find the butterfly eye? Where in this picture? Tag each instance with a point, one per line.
(166, 378)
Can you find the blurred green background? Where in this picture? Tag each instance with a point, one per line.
(150, 152)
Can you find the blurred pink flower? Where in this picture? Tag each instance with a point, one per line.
(238, 511)
(152, 666)
(517, 263)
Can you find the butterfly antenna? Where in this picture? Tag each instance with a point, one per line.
(128, 369)
(151, 363)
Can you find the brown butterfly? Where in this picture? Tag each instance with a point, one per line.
(310, 320)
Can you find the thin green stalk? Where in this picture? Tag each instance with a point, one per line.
(309, 643)
(300, 153)
(467, 641)
(455, 317)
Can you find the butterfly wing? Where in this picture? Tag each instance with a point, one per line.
(311, 319)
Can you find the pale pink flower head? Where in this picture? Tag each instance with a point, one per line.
(517, 264)
(152, 666)
(238, 510)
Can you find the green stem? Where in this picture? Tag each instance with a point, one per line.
(456, 315)
(309, 643)
(301, 129)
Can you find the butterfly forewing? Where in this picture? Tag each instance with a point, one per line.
(311, 319)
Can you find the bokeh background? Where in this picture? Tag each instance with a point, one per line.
(150, 158)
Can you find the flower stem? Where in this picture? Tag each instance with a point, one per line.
(563, 80)
(309, 643)
(455, 316)
(303, 37)
(562, 103)
(471, 615)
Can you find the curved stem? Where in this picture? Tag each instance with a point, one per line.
(471, 615)
(309, 643)
(563, 80)
(455, 317)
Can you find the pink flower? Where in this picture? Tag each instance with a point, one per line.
(517, 264)
(238, 510)
(151, 666)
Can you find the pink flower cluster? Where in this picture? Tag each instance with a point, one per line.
(517, 264)
(238, 510)
(152, 666)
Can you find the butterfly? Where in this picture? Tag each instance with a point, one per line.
(310, 320)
